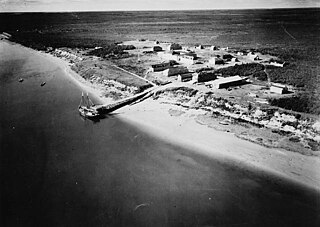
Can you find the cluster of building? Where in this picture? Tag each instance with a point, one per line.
(176, 53)
(208, 77)
(180, 54)
(184, 58)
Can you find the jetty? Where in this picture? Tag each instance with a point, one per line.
(108, 108)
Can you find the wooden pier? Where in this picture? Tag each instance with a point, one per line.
(107, 108)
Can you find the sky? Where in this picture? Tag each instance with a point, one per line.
(115, 5)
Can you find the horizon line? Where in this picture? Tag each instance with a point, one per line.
(163, 10)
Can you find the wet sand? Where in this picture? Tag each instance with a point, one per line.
(153, 116)
(58, 169)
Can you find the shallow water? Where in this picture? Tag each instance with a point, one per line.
(58, 169)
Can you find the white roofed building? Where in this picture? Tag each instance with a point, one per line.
(175, 71)
(278, 89)
(227, 82)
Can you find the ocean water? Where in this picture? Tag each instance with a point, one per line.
(58, 169)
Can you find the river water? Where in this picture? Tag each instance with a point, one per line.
(58, 169)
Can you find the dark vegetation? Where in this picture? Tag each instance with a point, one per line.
(41, 40)
(111, 50)
(204, 69)
(303, 65)
(133, 68)
(299, 103)
(302, 72)
(205, 76)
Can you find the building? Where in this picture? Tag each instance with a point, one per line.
(228, 82)
(234, 59)
(187, 58)
(185, 77)
(156, 48)
(174, 46)
(199, 47)
(160, 67)
(216, 61)
(205, 76)
(253, 57)
(261, 101)
(185, 48)
(5, 35)
(227, 57)
(213, 48)
(172, 71)
(278, 89)
(277, 63)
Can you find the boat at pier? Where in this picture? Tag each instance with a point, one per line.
(86, 108)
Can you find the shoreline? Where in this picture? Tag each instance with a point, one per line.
(76, 78)
(154, 118)
(184, 131)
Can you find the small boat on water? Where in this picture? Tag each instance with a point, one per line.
(86, 108)
(43, 83)
(20, 80)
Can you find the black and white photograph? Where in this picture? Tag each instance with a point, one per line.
(200, 113)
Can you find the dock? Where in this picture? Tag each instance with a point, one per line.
(108, 108)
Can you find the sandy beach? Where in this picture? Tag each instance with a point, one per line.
(183, 130)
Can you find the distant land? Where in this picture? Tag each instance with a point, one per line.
(291, 34)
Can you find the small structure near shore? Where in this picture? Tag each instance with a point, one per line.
(175, 71)
(253, 57)
(5, 35)
(185, 77)
(187, 58)
(279, 89)
(228, 82)
(199, 47)
(160, 67)
(213, 48)
(277, 63)
(216, 61)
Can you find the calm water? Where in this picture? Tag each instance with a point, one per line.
(60, 170)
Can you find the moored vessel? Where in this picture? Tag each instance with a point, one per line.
(86, 108)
